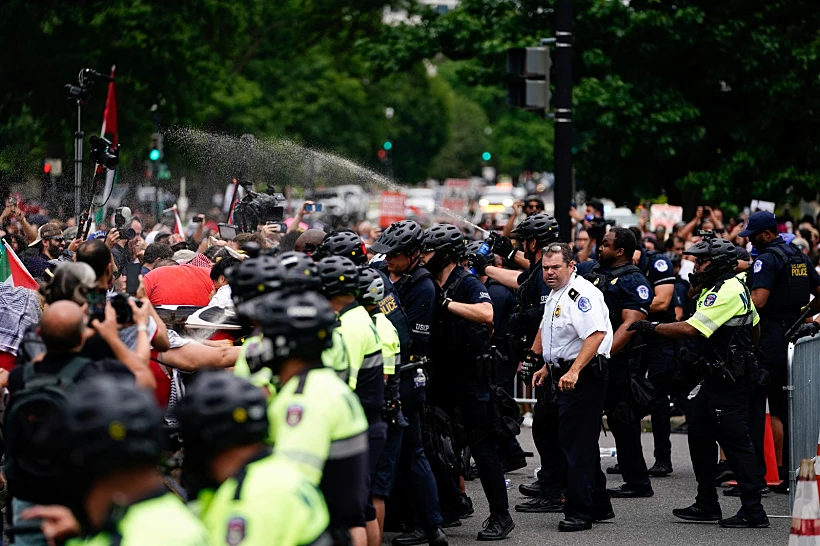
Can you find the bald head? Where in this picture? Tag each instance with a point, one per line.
(62, 327)
(311, 238)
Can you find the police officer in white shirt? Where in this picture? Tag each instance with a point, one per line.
(575, 339)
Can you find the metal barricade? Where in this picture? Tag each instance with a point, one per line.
(804, 405)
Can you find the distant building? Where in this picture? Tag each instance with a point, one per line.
(400, 16)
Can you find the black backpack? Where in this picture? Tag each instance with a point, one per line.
(36, 457)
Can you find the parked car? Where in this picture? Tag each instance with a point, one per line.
(345, 203)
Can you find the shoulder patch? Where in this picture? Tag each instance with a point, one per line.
(758, 266)
(661, 266)
(573, 294)
(236, 531)
(294, 415)
(584, 305)
(710, 300)
(643, 292)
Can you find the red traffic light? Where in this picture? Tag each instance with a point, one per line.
(382, 154)
(46, 168)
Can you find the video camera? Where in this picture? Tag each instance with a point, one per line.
(103, 154)
(259, 208)
(123, 218)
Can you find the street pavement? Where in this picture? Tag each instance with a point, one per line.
(638, 522)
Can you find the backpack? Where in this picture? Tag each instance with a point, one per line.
(35, 454)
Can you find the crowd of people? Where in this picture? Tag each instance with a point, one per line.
(350, 377)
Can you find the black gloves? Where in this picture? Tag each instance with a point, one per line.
(532, 363)
(809, 329)
(503, 246)
(642, 326)
(479, 263)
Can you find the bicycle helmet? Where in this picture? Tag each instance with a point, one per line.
(111, 424)
(542, 227)
(343, 243)
(297, 325)
(405, 236)
(371, 286)
(339, 276)
(721, 254)
(445, 238)
(257, 276)
(220, 411)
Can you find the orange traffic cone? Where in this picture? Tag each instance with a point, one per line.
(806, 514)
(772, 475)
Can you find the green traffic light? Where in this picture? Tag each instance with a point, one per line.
(387, 145)
(154, 155)
(486, 156)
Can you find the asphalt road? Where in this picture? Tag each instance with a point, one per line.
(638, 522)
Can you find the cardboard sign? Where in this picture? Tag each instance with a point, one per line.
(665, 215)
(391, 207)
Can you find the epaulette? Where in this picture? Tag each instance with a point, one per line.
(573, 294)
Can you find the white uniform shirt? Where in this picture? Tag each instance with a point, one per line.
(571, 315)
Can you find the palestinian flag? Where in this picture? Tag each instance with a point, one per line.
(12, 270)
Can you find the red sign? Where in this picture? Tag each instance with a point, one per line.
(391, 207)
(456, 195)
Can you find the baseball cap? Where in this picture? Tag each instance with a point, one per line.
(47, 231)
(762, 219)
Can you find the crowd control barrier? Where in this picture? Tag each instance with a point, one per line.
(803, 388)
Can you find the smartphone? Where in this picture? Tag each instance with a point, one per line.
(197, 219)
(316, 207)
(96, 305)
(227, 232)
(278, 227)
(132, 278)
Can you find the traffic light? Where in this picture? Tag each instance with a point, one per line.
(156, 147)
(387, 145)
(486, 156)
(529, 77)
(382, 155)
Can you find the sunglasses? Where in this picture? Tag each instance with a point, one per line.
(394, 254)
(58, 239)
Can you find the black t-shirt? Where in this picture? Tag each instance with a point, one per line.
(54, 363)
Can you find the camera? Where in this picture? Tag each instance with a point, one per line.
(258, 208)
(316, 207)
(122, 218)
(102, 154)
(120, 304)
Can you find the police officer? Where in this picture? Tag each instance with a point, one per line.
(505, 367)
(782, 280)
(534, 233)
(628, 296)
(401, 243)
(316, 422)
(659, 355)
(574, 339)
(113, 444)
(724, 325)
(461, 358)
(260, 499)
(349, 245)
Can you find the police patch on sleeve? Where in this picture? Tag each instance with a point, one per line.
(661, 266)
(643, 292)
(710, 300)
(758, 266)
(584, 305)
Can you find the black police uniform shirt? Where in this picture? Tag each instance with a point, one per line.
(537, 291)
(769, 272)
(503, 305)
(418, 301)
(632, 291)
(658, 269)
(681, 296)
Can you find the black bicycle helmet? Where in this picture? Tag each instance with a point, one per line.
(445, 238)
(343, 243)
(257, 276)
(111, 424)
(405, 236)
(297, 325)
(371, 286)
(542, 227)
(220, 411)
(722, 255)
(339, 276)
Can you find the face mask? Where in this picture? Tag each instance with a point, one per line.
(436, 264)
